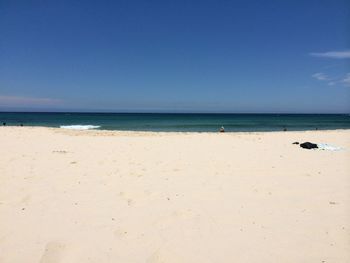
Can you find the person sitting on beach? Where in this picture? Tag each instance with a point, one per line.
(222, 129)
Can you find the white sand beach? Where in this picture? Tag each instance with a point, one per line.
(98, 196)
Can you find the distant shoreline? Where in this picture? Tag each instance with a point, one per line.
(103, 132)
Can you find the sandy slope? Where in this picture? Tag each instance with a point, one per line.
(68, 196)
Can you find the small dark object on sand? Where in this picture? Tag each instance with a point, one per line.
(222, 129)
(308, 145)
(295, 143)
(4, 123)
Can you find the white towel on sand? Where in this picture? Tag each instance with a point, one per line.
(328, 147)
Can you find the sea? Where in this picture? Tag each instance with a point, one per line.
(178, 122)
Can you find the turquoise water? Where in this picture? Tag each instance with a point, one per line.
(180, 122)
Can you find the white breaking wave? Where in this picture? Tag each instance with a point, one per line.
(80, 127)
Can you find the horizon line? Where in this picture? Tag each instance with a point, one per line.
(130, 112)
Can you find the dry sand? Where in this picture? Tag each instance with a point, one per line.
(88, 196)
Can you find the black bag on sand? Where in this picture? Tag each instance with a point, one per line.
(308, 145)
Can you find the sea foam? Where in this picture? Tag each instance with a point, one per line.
(80, 127)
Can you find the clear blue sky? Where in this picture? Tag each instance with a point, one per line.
(175, 56)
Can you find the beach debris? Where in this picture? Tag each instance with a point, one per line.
(4, 124)
(222, 129)
(308, 145)
(284, 129)
(295, 143)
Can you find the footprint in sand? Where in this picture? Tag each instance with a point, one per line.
(120, 233)
(160, 257)
(155, 257)
(53, 253)
(25, 199)
(167, 220)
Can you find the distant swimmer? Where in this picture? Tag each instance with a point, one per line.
(222, 129)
